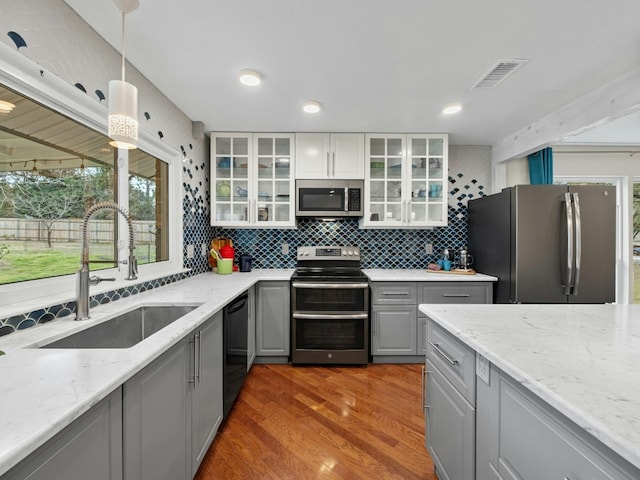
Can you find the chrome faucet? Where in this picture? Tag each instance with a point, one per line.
(83, 279)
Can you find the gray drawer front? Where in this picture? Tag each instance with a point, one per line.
(394, 293)
(454, 359)
(455, 292)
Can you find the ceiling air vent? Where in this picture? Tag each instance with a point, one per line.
(499, 72)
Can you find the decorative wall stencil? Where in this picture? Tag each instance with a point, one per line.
(17, 39)
(79, 86)
(100, 95)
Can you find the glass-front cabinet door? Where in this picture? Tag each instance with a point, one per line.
(428, 180)
(274, 180)
(253, 182)
(384, 176)
(231, 163)
(407, 180)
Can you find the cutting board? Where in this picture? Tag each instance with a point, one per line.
(455, 271)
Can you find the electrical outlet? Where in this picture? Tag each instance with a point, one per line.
(285, 248)
(190, 251)
(428, 248)
(482, 368)
(204, 250)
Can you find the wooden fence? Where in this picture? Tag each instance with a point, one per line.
(69, 230)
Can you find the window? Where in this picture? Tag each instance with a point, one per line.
(53, 168)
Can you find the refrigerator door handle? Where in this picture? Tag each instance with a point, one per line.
(578, 252)
(569, 272)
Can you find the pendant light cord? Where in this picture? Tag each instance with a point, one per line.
(123, 44)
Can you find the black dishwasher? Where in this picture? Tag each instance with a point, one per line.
(235, 333)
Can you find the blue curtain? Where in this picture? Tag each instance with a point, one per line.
(541, 167)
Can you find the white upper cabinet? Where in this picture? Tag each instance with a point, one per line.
(406, 181)
(253, 180)
(330, 155)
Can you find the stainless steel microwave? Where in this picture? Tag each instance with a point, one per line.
(329, 198)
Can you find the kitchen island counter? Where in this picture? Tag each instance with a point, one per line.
(582, 360)
(44, 390)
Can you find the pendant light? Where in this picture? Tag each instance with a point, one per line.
(123, 97)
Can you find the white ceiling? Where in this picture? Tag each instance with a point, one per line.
(374, 65)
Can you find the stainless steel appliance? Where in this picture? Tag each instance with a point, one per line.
(547, 243)
(329, 198)
(235, 338)
(330, 307)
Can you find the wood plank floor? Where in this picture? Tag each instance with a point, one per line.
(323, 423)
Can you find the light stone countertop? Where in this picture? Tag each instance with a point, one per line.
(398, 275)
(44, 390)
(583, 360)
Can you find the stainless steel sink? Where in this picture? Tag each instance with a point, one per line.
(125, 330)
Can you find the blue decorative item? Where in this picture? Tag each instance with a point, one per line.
(17, 39)
(79, 86)
(100, 95)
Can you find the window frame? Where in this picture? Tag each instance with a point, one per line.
(29, 79)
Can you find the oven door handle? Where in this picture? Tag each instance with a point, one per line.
(340, 316)
(329, 285)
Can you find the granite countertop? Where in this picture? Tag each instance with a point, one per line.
(398, 275)
(583, 360)
(44, 390)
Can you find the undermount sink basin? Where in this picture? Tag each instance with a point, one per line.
(125, 330)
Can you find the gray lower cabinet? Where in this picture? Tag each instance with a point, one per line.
(393, 330)
(450, 419)
(553, 447)
(173, 407)
(396, 335)
(91, 447)
(156, 429)
(450, 427)
(273, 312)
(206, 394)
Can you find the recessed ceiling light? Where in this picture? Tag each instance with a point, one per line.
(251, 78)
(6, 107)
(311, 106)
(451, 108)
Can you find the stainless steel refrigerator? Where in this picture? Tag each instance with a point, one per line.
(547, 243)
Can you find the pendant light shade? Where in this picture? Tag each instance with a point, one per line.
(123, 114)
(123, 98)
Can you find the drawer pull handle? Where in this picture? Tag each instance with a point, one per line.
(425, 373)
(404, 294)
(443, 354)
(465, 295)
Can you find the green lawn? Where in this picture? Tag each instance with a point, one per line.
(34, 260)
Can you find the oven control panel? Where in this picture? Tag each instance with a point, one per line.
(328, 253)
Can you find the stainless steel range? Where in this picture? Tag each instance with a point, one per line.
(330, 307)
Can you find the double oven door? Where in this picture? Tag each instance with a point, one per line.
(330, 321)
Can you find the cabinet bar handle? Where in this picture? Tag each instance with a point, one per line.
(395, 293)
(334, 164)
(443, 354)
(328, 166)
(465, 295)
(199, 355)
(193, 379)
